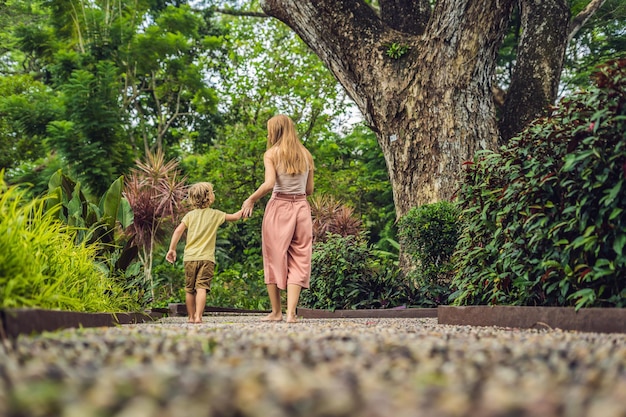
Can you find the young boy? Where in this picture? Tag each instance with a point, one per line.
(199, 256)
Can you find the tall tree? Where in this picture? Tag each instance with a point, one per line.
(422, 75)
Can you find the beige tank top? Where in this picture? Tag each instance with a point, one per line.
(291, 183)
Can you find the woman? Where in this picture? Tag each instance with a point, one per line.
(287, 232)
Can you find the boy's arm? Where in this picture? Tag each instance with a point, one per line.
(233, 217)
(171, 253)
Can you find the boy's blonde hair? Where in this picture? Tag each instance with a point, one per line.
(200, 195)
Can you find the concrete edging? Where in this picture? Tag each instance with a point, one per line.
(309, 313)
(14, 322)
(597, 320)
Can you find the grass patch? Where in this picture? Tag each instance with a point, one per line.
(41, 266)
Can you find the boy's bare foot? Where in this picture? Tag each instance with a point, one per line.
(273, 317)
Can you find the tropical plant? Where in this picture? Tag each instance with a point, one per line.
(43, 266)
(330, 216)
(544, 221)
(101, 224)
(155, 191)
(95, 222)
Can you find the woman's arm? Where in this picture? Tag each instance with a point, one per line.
(266, 187)
(309, 183)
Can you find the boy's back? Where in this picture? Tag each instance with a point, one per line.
(202, 225)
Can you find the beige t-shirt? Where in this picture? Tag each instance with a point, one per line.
(202, 225)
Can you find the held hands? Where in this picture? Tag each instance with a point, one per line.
(246, 208)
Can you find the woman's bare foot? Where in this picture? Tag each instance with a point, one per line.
(292, 319)
(273, 317)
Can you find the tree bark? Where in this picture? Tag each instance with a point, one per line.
(433, 107)
(535, 77)
(406, 16)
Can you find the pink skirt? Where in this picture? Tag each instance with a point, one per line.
(287, 240)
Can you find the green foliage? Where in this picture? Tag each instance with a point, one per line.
(119, 79)
(42, 266)
(396, 50)
(36, 174)
(347, 274)
(91, 139)
(544, 217)
(99, 225)
(96, 223)
(429, 235)
(168, 281)
(26, 107)
(350, 167)
(336, 264)
(236, 289)
(603, 38)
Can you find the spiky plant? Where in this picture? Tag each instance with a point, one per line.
(331, 216)
(155, 190)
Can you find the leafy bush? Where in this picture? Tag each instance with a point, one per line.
(232, 288)
(545, 221)
(42, 266)
(345, 274)
(428, 235)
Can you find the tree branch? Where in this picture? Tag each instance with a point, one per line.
(344, 34)
(583, 17)
(242, 13)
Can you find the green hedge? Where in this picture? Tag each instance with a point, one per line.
(429, 235)
(545, 220)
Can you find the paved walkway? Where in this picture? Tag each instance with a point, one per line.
(238, 366)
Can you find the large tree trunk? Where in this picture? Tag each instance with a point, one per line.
(432, 108)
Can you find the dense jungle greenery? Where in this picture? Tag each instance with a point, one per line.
(108, 109)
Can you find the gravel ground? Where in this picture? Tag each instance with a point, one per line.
(238, 366)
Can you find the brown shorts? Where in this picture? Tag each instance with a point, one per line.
(198, 274)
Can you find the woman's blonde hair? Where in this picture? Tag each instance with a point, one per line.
(200, 195)
(290, 156)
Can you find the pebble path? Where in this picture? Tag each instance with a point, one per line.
(238, 366)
